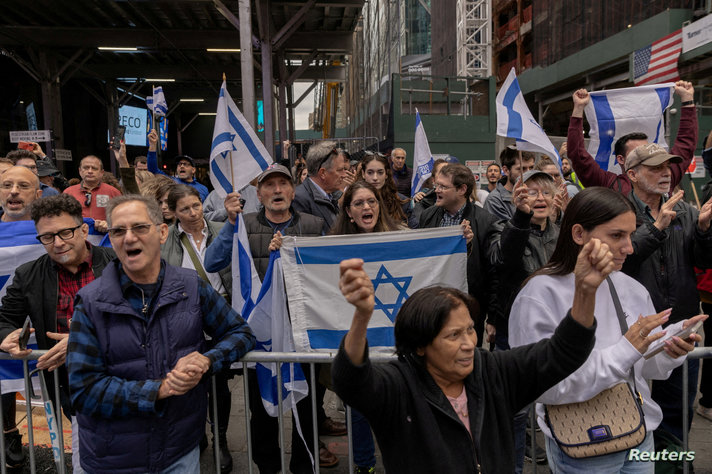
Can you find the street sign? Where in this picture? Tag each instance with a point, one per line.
(62, 155)
(18, 136)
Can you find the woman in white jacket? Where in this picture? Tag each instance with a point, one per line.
(603, 214)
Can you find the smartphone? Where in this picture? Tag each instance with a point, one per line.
(26, 146)
(658, 346)
(24, 335)
(118, 137)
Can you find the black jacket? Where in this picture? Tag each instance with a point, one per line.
(308, 199)
(416, 426)
(260, 233)
(517, 250)
(664, 261)
(480, 279)
(33, 292)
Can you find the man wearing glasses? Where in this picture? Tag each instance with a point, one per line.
(45, 289)
(138, 353)
(29, 160)
(91, 192)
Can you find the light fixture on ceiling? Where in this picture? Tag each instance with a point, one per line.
(153, 79)
(222, 50)
(117, 48)
(207, 113)
(192, 100)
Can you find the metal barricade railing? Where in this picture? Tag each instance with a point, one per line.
(277, 358)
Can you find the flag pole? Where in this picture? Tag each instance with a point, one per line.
(232, 172)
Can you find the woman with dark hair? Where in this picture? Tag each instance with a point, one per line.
(444, 405)
(607, 218)
(376, 171)
(361, 211)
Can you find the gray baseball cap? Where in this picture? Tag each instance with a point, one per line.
(650, 154)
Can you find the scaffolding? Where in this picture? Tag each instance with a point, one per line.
(474, 38)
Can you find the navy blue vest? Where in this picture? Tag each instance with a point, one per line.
(137, 349)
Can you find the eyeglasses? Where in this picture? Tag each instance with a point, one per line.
(8, 185)
(64, 234)
(442, 187)
(87, 202)
(534, 193)
(138, 229)
(372, 202)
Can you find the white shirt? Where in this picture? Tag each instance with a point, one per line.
(544, 302)
(213, 278)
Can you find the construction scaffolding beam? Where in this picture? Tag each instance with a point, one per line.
(474, 38)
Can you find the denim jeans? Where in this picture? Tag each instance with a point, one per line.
(364, 449)
(560, 463)
(188, 464)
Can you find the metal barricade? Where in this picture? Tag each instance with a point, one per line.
(276, 358)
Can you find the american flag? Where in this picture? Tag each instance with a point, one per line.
(658, 62)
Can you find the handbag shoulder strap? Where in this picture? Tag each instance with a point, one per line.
(623, 324)
(194, 257)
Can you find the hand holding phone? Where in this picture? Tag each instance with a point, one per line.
(118, 137)
(26, 146)
(24, 335)
(659, 345)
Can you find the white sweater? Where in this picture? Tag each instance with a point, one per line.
(543, 303)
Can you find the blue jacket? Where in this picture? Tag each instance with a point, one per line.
(152, 165)
(118, 354)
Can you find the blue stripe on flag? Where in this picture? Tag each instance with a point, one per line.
(330, 339)
(606, 129)
(223, 137)
(664, 95)
(222, 179)
(14, 234)
(237, 126)
(514, 125)
(379, 251)
(245, 274)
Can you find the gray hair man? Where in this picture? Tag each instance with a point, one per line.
(672, 239)
(320, 192)
(137, 351)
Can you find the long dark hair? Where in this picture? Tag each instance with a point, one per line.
(393, 204)
(344, 225)
(589, 208)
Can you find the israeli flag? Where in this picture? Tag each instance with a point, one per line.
(399, 263)
(269, 321)
(514, 120)
(422, 158)
(157, 102)
(617, 112)
(245, 280)
(237, 156)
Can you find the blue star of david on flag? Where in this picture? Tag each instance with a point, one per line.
(401, 284)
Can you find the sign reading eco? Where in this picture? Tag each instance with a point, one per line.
(134, 119)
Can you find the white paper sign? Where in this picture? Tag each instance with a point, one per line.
(18, 136)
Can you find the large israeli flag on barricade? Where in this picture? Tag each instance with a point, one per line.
(237, 156)
(245, 280)
(269, 321)
(18, 245)
(617, 112)
(399, 263)
(514, 120)
(422, 158)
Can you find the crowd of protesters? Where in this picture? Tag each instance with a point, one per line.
(549, 250)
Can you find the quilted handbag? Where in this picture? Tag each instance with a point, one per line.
(610, 422)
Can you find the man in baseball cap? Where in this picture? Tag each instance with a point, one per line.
(672, 238)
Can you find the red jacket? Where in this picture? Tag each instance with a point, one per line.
(590, 174)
